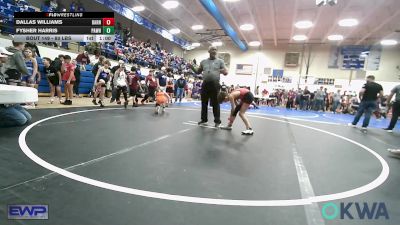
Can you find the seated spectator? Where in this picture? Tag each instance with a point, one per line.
(83, 58)
(11, 114)
(73, 7)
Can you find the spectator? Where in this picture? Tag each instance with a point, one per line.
(53, 5)
(319, 99)
(54, 78)
(170, 89)
(113, 70)
(32, 77)
(336, 101)
(180, 84)
(16, 64)
(32, 46)
(69, 79)
(162, 79)
(134, 82)
(81, 8)
(83, 58)
(73, 7)
(305, 99)
(98, 65)
(77, 73)
(121, 83)
(11, 114)
(151, 84)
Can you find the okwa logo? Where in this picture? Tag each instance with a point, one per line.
(355, 210)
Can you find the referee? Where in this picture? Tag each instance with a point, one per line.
(211, 69)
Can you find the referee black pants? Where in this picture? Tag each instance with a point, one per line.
(395, 115)
(209, 93)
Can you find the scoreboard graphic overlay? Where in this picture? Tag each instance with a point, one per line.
(64, 27)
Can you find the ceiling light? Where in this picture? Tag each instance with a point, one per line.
(138, 8)
(247, 27)
(175, 31)
(170, 4)
(299, 37)
(335, 37)
(348, 23)
(197, 27)
(304, 24)
(389, 42)
(254, 43)
(195, 44)
(217, 43)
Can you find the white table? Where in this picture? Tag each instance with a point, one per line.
(15, 94)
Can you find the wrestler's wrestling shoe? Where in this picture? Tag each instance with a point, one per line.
(248, 132)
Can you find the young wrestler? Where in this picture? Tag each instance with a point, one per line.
(100, 81)
(162, 100)
(240, 100)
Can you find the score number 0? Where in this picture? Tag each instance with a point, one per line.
(108, 21)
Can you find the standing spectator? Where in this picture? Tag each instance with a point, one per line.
(58, 63)
(395, 108)
(121, 83)
(319, 99)
(113, 89)
(189, 89)
(306, 98)
(77, 73)
(32, 46)
(290, 100)
(134, 82)
(368, 96)
(69, 79)
(170, 89)
(16, 64)
(98, 65)
(336, 101)
(151, 84)
(54, 78)
(162, 79)
(32, 77)
(180, 85)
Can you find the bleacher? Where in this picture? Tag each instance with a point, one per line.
(110, 51)
(85, 85)
(7, 9)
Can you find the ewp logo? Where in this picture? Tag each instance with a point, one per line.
(28, 212)
(375, 211)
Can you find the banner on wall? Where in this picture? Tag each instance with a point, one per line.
(277, 73)
(374, 57)
(244, 69)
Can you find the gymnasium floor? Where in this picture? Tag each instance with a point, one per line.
(116, 166)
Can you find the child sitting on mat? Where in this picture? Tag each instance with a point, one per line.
(240, 100)
(162, 100)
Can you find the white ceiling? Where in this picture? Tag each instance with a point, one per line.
(274, 19)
